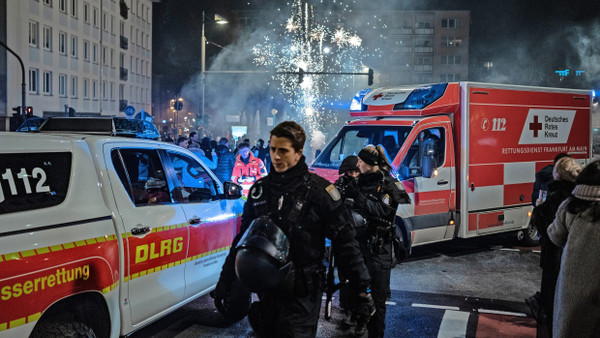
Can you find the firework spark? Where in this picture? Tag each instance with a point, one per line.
(313, 47)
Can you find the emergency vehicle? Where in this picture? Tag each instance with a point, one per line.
(105, 234)
(466, 152)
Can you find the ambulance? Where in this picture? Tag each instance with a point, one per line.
(466, 152)
(104, 230)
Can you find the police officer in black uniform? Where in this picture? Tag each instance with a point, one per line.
(376, 197)
(293, 209)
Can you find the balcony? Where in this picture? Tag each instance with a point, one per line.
(122, 105)
(124, 42)
(123, 74)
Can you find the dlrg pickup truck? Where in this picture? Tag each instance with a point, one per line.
(101, 235)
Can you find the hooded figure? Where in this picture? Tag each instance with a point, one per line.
(577, 230)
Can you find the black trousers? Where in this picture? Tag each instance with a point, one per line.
(380, 269)
(285, 316)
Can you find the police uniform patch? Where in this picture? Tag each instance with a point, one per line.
(386, 199)
(400, 186)
(333, 192)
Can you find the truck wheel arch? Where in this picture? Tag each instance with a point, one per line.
(88, 308)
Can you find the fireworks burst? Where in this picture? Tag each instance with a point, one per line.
(314, 48)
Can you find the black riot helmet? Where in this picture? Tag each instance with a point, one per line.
(262, 259)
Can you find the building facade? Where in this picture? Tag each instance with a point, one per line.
(81, 57)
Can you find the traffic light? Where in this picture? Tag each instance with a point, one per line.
(178, 105)
(17, 111)
(300, 75)
(371, 73)
(29, 111)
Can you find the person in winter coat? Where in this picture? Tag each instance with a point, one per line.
(376, 196)
(576, 229)
(542, 178)
(565, 172)
(225, 161)
(247, 169)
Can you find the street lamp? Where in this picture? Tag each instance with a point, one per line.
(218, 20)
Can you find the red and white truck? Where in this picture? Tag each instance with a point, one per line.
(466, 152)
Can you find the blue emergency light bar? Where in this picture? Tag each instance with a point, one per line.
(356, 104)
(115, 126)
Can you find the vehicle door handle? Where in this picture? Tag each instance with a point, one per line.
(442, 182)
(140, 231)
(195, 220)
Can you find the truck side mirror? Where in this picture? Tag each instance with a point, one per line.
(232, 191)
(427, 166)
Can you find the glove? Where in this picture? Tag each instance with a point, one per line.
(351, 190)
(232, 301)
(364, 310)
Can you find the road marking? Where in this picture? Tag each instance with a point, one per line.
(509, 249)
(505, 313)
(454, 324)
(387, 302)
(432, 306)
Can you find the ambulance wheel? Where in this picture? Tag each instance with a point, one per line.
(529, 236)
(62, 329)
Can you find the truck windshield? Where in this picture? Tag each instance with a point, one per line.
(351, 139)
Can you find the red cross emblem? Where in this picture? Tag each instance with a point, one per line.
(535, 126)
(375, 97)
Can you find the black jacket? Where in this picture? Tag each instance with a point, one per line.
(542, 179)
(376, 200)
(543, 216)
(225, 163)
(324, 215)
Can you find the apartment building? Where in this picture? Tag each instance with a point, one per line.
(83, 57)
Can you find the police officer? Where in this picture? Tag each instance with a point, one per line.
(376, 197)
(306, 208)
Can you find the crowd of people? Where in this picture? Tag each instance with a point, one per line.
(240, 164)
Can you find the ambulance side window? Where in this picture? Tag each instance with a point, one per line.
(142, 175)
(429, 143)
(191, 181)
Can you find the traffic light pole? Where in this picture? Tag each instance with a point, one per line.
(23, 85)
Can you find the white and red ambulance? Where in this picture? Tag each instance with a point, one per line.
(466, 152)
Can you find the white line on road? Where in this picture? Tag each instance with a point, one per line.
(505, 313)
(509, 249)
(454, 324)
(432, 306)
(387, 302)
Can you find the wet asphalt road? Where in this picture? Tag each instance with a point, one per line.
(465, 288)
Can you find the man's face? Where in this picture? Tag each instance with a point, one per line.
(195, 137)
(283, 155)
(245, 152)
